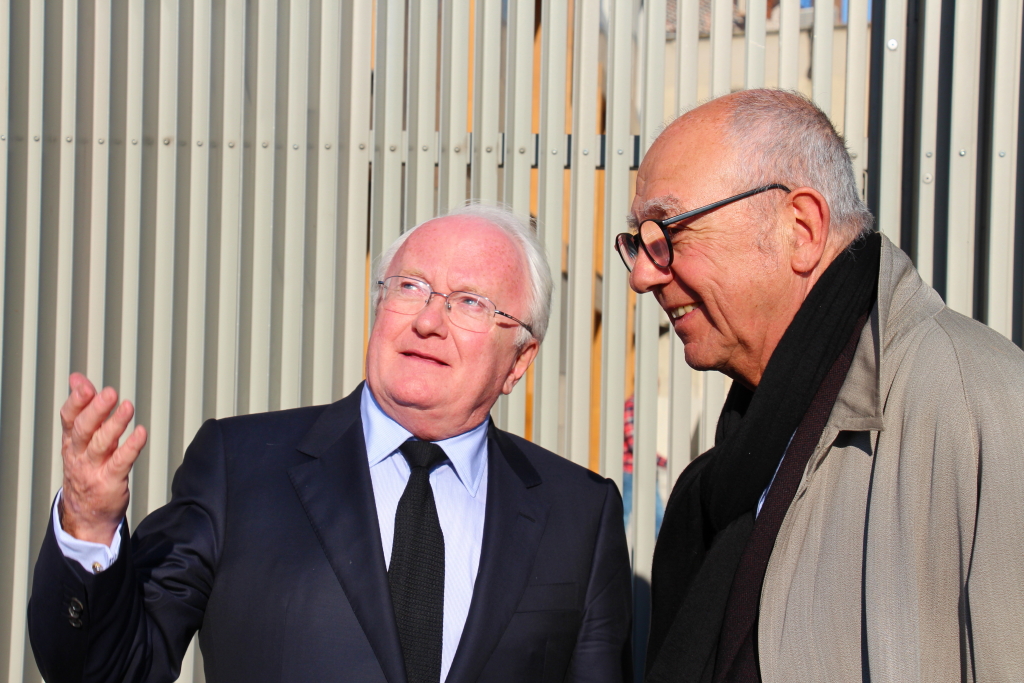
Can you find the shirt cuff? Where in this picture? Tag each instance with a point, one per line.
(94, 557)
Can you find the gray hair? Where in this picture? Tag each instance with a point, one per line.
(781, 137)
(524, 236)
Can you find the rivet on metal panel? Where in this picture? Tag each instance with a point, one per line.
(928, 154)
(327, 145)
(892, 44)
(295, 146)
(167, 141)
(554, 151)
(265, 143)
(1002, 154)
(392, 148)
(458, 149)
(619, 151)
(853, 155)
(927, 177)
(487, 149)
(963, 152)
(362, 145)
(3, 137)
(586, 152)
(199, 143)
(68, 138)
(135, 142)
(231, 144)
(36, 138)
(424, 148)
(100, 141)
(522, 150)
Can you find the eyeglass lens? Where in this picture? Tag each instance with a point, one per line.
(408, 296)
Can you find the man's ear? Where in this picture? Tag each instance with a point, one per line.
(523, 360)
(808, 227)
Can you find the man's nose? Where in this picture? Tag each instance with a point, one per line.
(645, 276)
(432, 318)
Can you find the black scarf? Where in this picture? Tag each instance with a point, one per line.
(710, 513)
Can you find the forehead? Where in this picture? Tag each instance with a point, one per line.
(687, 166)
(459, 252)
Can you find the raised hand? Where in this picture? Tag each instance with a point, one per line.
(95, 467)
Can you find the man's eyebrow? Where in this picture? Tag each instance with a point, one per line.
(657, 207)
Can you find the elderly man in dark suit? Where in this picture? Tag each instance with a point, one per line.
(395, 535)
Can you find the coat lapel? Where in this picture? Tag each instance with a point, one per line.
(513, 527)
(336, 491)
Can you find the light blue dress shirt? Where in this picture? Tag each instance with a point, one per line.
(460, 493)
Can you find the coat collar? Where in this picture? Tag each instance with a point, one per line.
(904, 300)
(336, 492)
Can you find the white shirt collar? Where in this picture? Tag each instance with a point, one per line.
(467, 452)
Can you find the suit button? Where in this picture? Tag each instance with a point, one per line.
(75, 622)
(75, 608)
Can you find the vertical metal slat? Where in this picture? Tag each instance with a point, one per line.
(963, 158)
(721, 47)
(293, 282)
(754, 39)
(821, 58)
(422, 102)
(547, 404)
(789, 44)
(580, 316)
(454, 104)
(890, 165)
(486, 99)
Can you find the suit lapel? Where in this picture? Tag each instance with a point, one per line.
(336, 491)
(513, 526)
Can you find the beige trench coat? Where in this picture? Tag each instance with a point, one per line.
(903, 549)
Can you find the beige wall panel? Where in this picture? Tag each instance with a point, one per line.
(327, 228)
(963, 157)
(19, 374)
(353, 211)
(645, 420)
(96, 316)
(1003, 196)
(257, 375)
(585, 150)
(924, 252)
(618, 150)
(389, 67)
(547, 401)
(231, 136)
(755, 39)
(294, 280)
(890, 164)
(486, 100)
(454, 96)
(518, 155)
(821, 59)
(421, 123)
(721, 47)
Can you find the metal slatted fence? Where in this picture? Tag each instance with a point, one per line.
(192, 193)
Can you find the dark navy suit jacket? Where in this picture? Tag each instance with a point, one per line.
(270, 547)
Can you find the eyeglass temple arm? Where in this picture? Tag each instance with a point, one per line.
(728, 200)
(511, 317)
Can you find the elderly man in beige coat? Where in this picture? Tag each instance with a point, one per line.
(861, 516)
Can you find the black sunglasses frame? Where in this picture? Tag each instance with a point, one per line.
(664, 224)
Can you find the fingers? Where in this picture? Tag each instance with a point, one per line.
(105, 439)
(82, 391)
(91, 417)
(125, 456)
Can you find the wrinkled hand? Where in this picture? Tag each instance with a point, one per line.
(95, 467)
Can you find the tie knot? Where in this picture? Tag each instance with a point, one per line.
(422, 453)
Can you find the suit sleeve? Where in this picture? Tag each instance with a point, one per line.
(134, 621)
(603, 650)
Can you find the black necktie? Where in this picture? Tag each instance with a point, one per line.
(416, 574)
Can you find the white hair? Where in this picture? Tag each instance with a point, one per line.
(782, 137)
(524, 236)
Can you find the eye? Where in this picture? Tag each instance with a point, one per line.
(468, 302)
